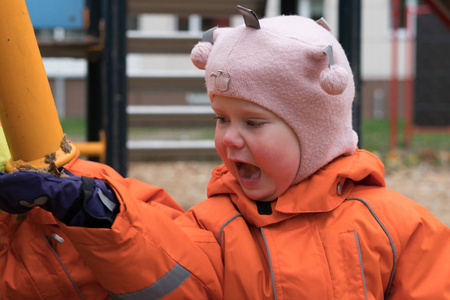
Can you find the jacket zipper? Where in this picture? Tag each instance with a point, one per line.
(361, 264)
(61, 240)
(270, 264)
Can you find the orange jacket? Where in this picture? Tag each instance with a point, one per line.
(37, 260)
(340, 234)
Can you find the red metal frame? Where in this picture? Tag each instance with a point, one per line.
(409, 76)
(408, 104)
(441, 10)
(393, 95)
(410, 128)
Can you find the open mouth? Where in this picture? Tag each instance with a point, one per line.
(248, 172)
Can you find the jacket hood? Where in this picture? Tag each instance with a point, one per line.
(323, 191)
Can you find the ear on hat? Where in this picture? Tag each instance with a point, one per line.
(334, 79)
(200, 53)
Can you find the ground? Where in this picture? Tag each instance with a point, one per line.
(425, 183)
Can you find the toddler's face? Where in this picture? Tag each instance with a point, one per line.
(258, 148)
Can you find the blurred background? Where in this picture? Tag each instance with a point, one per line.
(120, 74)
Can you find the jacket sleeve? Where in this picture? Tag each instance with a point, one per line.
(422, 270)
(145, 255)
(139, 190)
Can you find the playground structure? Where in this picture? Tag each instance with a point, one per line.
(27, 109)
(29, 117)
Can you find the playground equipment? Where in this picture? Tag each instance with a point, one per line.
(4, 151)
(27, 110)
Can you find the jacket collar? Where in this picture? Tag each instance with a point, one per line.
(321, 192)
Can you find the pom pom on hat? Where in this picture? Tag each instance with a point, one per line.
(333, 80)
(200, 53)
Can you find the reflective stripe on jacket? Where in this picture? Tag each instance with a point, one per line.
(340, 234)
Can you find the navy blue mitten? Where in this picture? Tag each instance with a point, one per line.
(76, 201)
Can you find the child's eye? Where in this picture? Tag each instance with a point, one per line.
(220, 119)
(254, 123)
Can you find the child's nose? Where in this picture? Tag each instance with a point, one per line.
(233, 138)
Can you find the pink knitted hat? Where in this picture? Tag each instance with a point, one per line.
(286, 65)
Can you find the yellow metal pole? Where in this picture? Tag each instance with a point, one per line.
(97, 149)
(27, 109)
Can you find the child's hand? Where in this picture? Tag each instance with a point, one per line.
(76, 201)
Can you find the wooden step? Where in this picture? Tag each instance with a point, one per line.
(207, 8)
(164, 81)
(171, 150)
(137, 42)
(167, 43)
(75, 48)
(170, 115)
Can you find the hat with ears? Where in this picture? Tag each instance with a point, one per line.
(293, 67)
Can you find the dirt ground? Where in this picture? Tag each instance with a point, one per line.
(186, 182)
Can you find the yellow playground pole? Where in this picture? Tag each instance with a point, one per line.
(27, 110)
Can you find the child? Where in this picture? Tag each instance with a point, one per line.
(295, 212)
